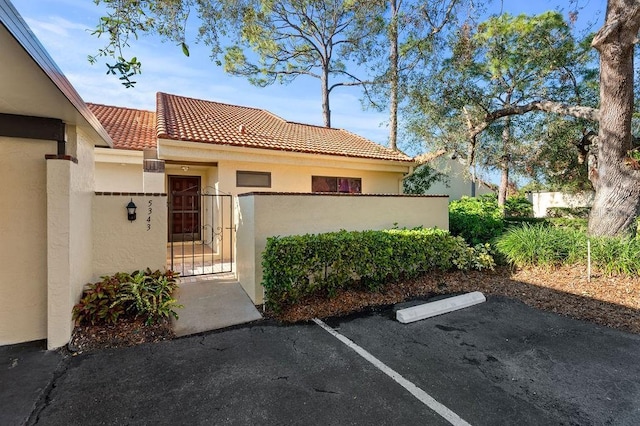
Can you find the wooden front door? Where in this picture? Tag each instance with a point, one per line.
(185, 208)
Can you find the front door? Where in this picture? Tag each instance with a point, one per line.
(185, 214)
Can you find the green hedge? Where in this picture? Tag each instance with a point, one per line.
(477, 220)
(297, 266)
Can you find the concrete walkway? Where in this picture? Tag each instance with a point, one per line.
(211, 303)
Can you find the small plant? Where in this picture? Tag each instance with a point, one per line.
(142, 293)
(97, 302)
(149, 294)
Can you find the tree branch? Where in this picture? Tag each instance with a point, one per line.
(586, 113)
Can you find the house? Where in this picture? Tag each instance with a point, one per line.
(236, 149)
(222, 178)
(457, 182)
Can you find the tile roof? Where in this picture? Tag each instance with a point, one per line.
(195, 120)
(129, 128)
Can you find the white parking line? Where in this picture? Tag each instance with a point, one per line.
(421, 395)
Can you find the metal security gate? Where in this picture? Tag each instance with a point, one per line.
(201, 232)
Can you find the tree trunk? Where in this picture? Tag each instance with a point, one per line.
(324, 82)
(504, 163)
(617, 199)
(393, 76)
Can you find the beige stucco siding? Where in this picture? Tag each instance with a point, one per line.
(23, 232)
(112, 177)
(292, 178)
(123, 246)
(69, 234)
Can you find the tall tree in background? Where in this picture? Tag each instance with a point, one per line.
(268, 41)
(508, 61)
(315, 38)
(412, 32)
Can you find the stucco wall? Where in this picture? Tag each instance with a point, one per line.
(266, 215)
(23, 231)
(544, 200)
(292, 178)
(123, 246)
(116, 177)
(69, 233)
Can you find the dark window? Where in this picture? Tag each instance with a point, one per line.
(253, 179)
(336, 184)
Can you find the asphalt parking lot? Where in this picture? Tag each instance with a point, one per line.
(496, 363)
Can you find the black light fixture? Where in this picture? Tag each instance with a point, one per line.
(131, 211)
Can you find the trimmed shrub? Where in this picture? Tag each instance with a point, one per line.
(518, 206)
(477, 220)
(142, 293)
(297, 266)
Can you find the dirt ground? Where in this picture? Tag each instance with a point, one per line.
(611, 301)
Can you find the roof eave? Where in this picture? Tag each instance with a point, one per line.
(18, 28)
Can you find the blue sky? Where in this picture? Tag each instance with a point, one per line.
(64, 26)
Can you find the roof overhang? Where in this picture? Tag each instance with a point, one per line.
(195, 151)
(31, 84)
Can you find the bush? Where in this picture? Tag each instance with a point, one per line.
(616, 255)
(541, 245)
(477, 220)
(141, 293)
(518, 206)
(297, 266)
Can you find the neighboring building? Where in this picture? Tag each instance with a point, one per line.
(236, 149)
(457, 182)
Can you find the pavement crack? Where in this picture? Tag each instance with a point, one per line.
(326, 391)
(44, 400)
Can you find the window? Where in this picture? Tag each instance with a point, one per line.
(336, 184)
(253, 179)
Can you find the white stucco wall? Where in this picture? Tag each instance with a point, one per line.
(123, 246)
(23, 231)
(265, 215)
(544, 200)
(458, 183)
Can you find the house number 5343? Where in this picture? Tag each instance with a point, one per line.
(149, 211)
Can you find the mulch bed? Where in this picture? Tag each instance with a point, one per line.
(606, 300)
(127, 332)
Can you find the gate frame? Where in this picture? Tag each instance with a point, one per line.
(210, 236)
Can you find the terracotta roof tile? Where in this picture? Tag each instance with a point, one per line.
(195, 120)
(129, 128)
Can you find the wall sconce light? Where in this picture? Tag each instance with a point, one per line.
(131, 211)
(185, 168)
